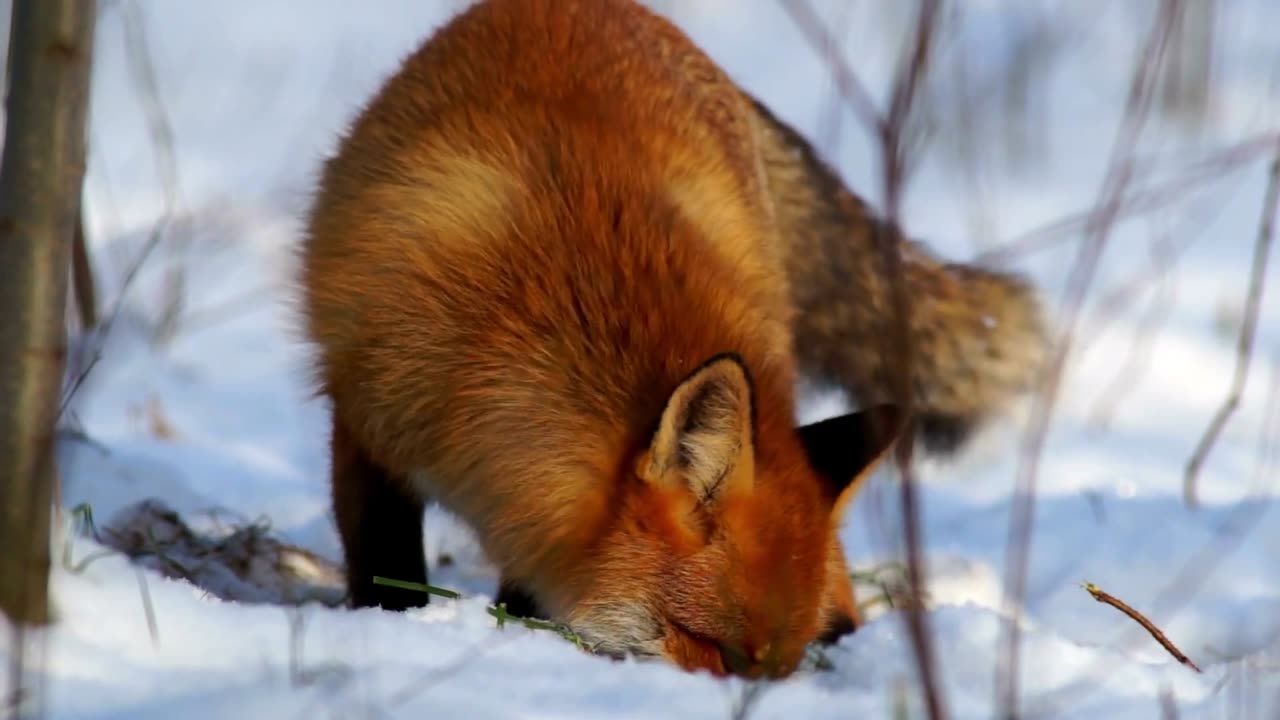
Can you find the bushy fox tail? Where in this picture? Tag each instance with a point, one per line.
(978, 342)
(978, 336)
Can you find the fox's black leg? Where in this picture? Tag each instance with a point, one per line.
(837, 628)
(380, 525)
(519, 602)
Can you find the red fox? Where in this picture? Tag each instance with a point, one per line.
(551, 278)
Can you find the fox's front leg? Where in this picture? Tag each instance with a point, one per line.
(380, 524)
(518, 601)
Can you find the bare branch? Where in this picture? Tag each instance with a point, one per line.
(746, 700)
(234, 308)
(142, 68)
(1187, 80)
(889, 130)
(82, 282)
(1153, 197)
(1079, 280)
(831, 121)
(847, 83)
(905, 86)
(161, 131)
(1248, 328)
(1168, 705)
(888, 238)
(1163, 256)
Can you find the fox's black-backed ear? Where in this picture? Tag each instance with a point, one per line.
(704, 438)
(846, 448)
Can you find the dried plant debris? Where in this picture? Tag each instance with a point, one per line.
(242, 563)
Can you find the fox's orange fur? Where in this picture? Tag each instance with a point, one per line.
(544, 278)
(562, 275)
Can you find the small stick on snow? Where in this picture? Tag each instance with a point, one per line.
(1109, 599)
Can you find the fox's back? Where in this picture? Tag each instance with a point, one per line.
(546, 220)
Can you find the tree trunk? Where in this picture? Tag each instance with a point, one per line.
(41, 172)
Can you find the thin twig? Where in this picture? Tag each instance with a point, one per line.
(83, 286)
(255, 300)
(1269, 432)
(1156, 314)
(846, 80)
(889, 130)
(297, 627)
(1248, 328)
(148, 608)
(437, 676)
(831, 121)
(301, 675)
(1116, 300)
(1152, 197)
(162, 137)
(894, 162)
(1106, 598)
(143, 69)
(906, 85)
(1168, 704)
(1079, 280)
(747, 700)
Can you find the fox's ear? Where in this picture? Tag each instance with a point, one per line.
(846, 448)
(704, 438)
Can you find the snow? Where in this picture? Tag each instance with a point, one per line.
(217, 421)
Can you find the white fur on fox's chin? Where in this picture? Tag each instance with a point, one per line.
(619, 629)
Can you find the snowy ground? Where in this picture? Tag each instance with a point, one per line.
(215, 415)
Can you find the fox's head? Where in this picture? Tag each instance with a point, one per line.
(724, 554)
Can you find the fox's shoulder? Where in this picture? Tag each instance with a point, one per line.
(511, 93)
(614, 61)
